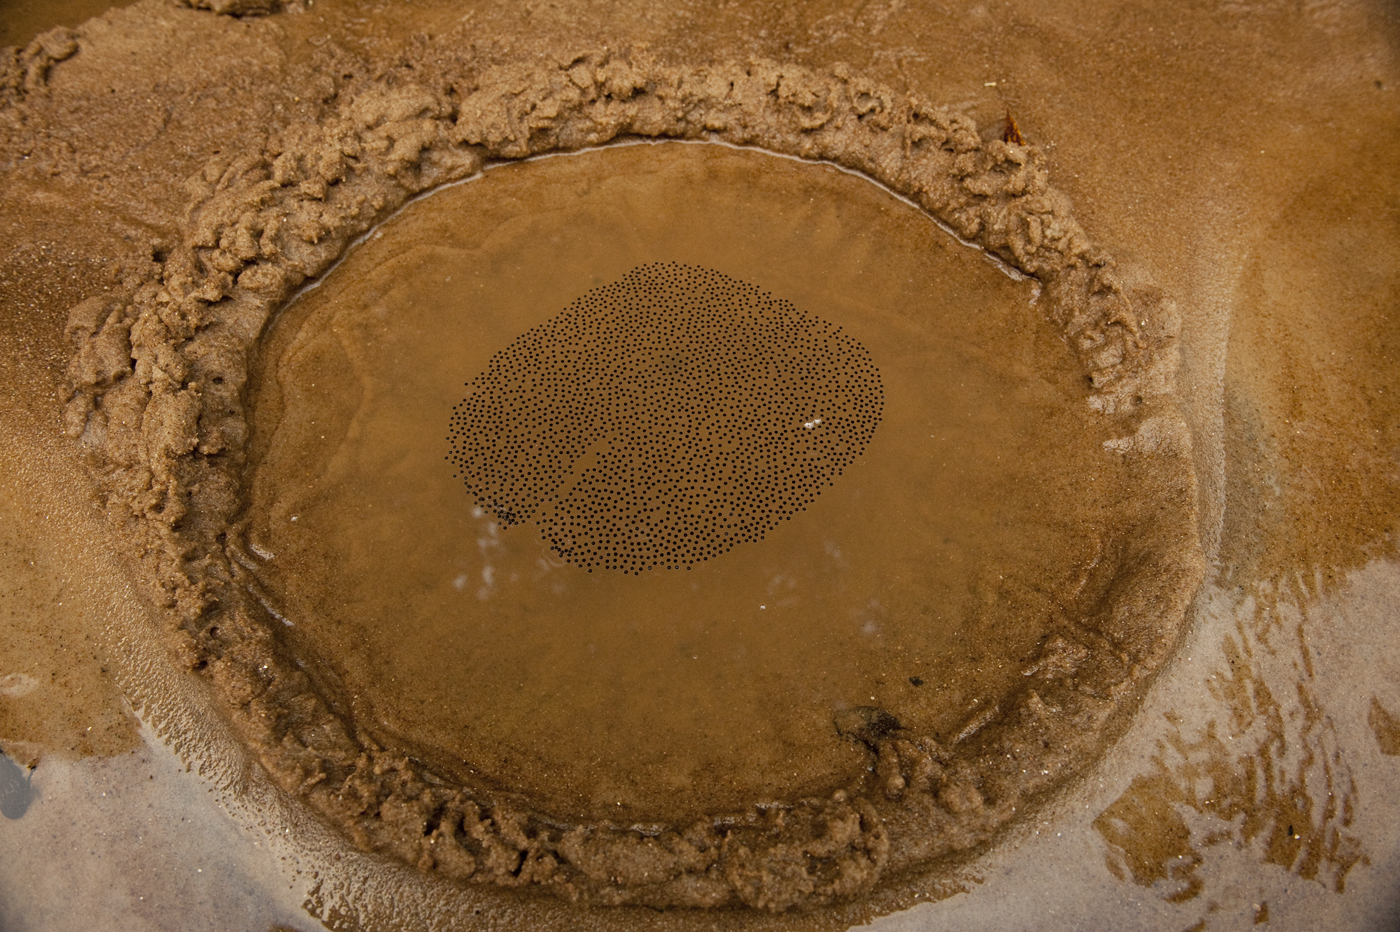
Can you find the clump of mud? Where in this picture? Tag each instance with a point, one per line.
(159, 373)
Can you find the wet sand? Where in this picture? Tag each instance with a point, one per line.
(654, 693)
(1246, 174)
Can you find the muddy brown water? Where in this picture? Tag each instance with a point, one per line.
(1243, 155)
(920, 580)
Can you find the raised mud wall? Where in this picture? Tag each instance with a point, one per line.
(158, 376)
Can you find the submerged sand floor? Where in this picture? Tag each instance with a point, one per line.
(1242, 158)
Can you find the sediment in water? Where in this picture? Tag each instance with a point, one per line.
(160, 370)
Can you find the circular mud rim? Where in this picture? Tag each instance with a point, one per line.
(158, 373)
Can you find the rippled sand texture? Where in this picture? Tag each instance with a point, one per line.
(1242, 158)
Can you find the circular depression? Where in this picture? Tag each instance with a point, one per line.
(1016, 533)
(920, 581)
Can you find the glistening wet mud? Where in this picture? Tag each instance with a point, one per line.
(1191, 139)
(166, 432)
(921, 578)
